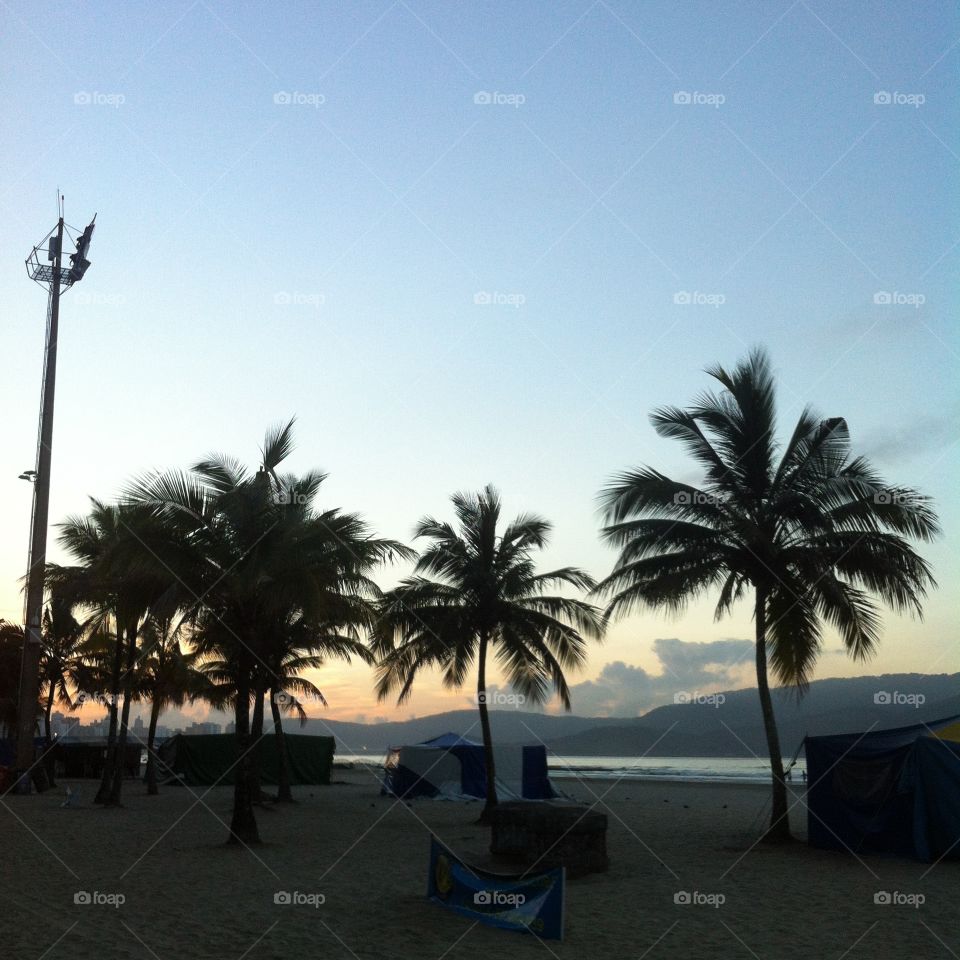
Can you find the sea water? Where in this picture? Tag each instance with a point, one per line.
(702, 769)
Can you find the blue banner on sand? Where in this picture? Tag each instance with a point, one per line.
(529, 903)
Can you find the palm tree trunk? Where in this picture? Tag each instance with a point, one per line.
(487, 814)
(243, 825)
(779, 829)
(152, 788)
(50, 761)
(256, 739)
(284, 793)
(128, 679)
(107, 778)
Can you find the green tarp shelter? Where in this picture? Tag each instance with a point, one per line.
(208, 759)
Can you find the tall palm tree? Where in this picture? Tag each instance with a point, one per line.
(817, 536)
(251, 549)
(62, 657)
(487, 597)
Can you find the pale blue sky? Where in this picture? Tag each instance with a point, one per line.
(323, 256)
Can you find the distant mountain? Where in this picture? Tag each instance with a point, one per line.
(728, 724)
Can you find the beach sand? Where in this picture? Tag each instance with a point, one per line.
(189, 895)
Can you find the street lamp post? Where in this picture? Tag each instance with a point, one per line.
(54, 276)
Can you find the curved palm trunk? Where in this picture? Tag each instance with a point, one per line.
(106, 779)
(152, 788)
(119, 760)
(243, 824)
(49, 758)
(779, 829)
(284, 793)
(487, 814)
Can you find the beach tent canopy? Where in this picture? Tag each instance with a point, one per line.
(208, 759)
(892, 791)
(452, 767)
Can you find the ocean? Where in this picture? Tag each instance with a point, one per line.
(699, 769)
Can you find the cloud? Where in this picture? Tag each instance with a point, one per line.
(895, 444)
(686, 667)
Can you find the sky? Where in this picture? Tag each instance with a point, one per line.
(479, 242)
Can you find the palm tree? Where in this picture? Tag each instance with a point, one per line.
(302, 646)
(61, 664)
(488, 597)
(11, 652)
(168, 677)
(819, 537)
(118, 580)
(251, 549)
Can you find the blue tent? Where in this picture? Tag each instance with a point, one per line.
(892, 791)
(453, 767)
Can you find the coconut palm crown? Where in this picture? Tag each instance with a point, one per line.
(486, 598)
(814, 534)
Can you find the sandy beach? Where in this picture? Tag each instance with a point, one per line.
(186, 894)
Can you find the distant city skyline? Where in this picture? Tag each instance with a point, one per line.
(480, 244)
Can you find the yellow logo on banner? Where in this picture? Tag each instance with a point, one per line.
(443, 876)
